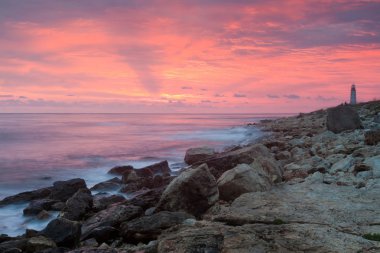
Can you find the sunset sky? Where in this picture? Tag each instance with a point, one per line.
(200, 56)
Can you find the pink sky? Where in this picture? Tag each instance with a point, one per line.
(203, 56)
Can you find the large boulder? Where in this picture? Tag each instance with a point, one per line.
(193, 191)
(78, 205)
(101, 202)
(242, 179)
(63, 190)
(120, 170)
(372, 137)
(109, 185)
(160, 168)
(342, 118)
(26, 196)
(112, 216)
(39, 243)
(63, 232)
(147, 228)
(194, 155)
(36, 206)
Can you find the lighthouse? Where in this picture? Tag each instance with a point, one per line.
(353, 95)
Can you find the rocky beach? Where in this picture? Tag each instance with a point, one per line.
(311, 184)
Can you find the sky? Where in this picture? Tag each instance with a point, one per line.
(200, 56)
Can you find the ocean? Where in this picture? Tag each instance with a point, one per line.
(38, 149)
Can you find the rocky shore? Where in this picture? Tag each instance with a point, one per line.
(312, 184)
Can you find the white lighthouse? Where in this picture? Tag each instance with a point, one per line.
(353, 95)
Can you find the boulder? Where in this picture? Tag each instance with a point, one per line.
(194, 155)
(26, 196)
(228, 160)
(63, 190)
(101, 202)
(112, 216)
(120, 170)
(65, 233)
(374, 164)
(372, 137)
(78, 205)
(109, 185)
(160, 168)
(39, 243)
(146, 198)
(193, 191)
(342, 118)
(147, 228)
(36, 206)
(18, 245)
(130, 177)
(102, 234)
(342, 165)
(242, 179)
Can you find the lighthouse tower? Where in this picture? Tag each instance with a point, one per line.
(353, 95)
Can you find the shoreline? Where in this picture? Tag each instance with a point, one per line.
(300, 179)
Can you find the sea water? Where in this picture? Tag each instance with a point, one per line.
(38, 149)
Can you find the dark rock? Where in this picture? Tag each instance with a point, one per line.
(13, 245)
(130, 177)
(147, 228)
(342, 118)
(161, 168)
(102, 234)
(26, 196)
(146, 198)
(376, 119)
(36, 206)
(43, 215)
(78, 205)
(137, 185)
(372, 137)
(120, 170)
(29, 233)
(109, 185)
(112, 216)
(59, 206)
(194, 155)
(94, 250)
(4, 238)
(63, 190)
(63, 232)
(193, 191)
(55, 250)
(102, 202)
(12, 250)
(39, 243)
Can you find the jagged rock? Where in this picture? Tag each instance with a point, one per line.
(59, 206)
(109, 185)
(284, 155)
(63, 190)
(36, 206)
(242, 179)
(194, 155)
(372, 137)
(147, 228)
(39, 243)
(26, 196)
(120, 170)
(63, 232)
(130, 177)
(146, 198)
(112, 216)
(18, 245)
(102, 202)
(343, 165)
(342, 118)
(78, 205)
(374, 164)
(193, 191)
(102, 234)
(43, 215)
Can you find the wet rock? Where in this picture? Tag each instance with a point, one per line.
(102, 234)
(120, 170)
(39, 243)
(160, 168)
(59, 206)
(63, 190)
(147, 228)
(194, 155)
(192, 186)
(112, 216)
(102, 202)
(36, 206)
(109, 185)
(63, 232)
(342, 118)
(372, 137)
(78, 205)
(242, 179)
(26, 196)
(43, 215)
(130, 177)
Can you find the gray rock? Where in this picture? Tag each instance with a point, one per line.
(26, 196)
(374, 164)
(78, 205)
(36, 206)
(343, 165)
(101, 202)
(193, 191)
(63, 232)
(242, 179)
(160, 168)
(147, 228)
(120, 170)
(109, 185)
(342, 118)
(39, 243)
(194, 155)
(63, 190)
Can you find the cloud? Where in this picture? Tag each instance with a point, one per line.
(6, 96)
(292, 96)
(239, 95)
(272, 96)
(186, 88)
(218, 95)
